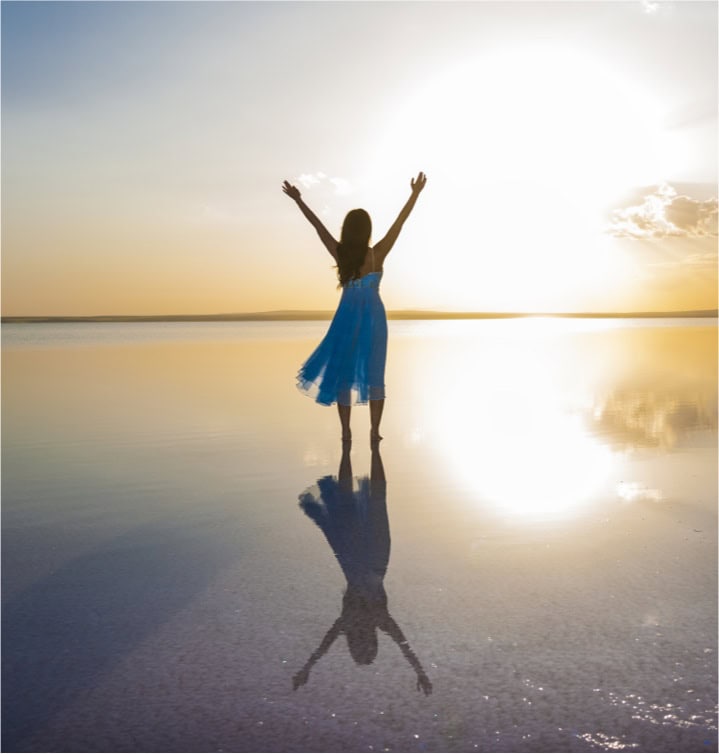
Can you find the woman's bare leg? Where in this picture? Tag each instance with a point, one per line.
(344, 412)
(375, 415)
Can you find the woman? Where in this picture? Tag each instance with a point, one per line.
(348, 365)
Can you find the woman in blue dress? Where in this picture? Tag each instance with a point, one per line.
(348, 365)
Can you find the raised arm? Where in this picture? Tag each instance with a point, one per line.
(391, 628)
(385, 245)
(301, 677)
(325, 236)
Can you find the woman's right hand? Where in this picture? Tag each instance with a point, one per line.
(292, 191)
(417, 184)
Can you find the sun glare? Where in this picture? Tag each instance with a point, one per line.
(536, 113)
(528, 146)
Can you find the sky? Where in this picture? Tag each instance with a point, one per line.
(570, 149)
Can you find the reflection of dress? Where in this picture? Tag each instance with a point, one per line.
(354, 521)
(348, 365)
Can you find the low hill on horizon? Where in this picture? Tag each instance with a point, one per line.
(321, 315)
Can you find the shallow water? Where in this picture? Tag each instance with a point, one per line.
(551, 492)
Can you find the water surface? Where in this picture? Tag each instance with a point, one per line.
(550, 500)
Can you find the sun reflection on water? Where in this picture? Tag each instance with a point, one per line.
(535, 418)
(507, 431)
(528, 459)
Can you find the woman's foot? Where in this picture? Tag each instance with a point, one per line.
(375, 437)
(344, 412)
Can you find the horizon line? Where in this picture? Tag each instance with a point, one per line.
(322, 315)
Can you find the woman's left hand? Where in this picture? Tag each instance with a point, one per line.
(424, 684)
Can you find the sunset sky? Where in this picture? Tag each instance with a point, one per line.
(570, 148)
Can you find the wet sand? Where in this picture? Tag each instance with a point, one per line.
(550, 503)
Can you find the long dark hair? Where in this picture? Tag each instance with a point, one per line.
(353, 245)
(362, 613)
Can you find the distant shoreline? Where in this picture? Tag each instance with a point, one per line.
(314, 316)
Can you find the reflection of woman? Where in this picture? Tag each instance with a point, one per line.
(348, 365)
(354, 521)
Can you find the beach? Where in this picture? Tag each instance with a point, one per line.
(550, 493)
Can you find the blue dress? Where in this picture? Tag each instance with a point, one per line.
(348, 365)
(352, 515)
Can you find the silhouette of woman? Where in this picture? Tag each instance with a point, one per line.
(348, 365)
(356, 527)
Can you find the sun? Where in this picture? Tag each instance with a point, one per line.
(525, 148)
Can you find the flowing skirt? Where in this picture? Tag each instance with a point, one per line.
(348, 365)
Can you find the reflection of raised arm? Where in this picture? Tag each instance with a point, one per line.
(423, 682)
(301, 677)
(325, 236)
(385, 245)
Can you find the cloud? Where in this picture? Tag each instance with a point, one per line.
(650, 6)
(341, 186)
(311, 179)
(696, 218)
(664, 213)
(649, 416)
